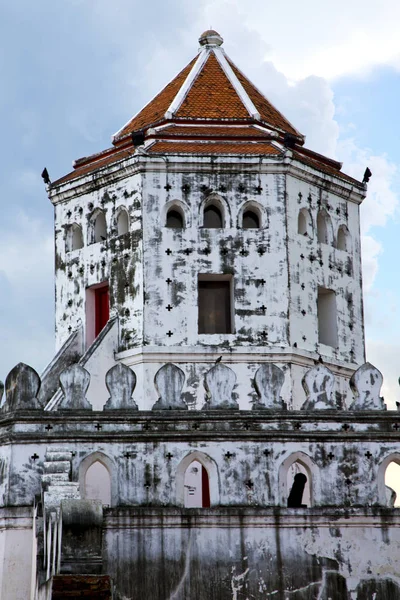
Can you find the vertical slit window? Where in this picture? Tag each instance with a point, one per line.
(327, 317)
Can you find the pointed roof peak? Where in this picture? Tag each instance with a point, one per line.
(210, 89)
(211, 38)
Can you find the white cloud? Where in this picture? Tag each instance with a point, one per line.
(385, 358)
(323, 39)
(371, 249)
(26, 253)
(26, 303)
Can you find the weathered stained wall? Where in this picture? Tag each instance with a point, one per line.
(313, 263)
(265, 555)
(116, 260)
(153, 270)
(346, 456)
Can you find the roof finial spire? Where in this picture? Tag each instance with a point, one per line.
(210, 38)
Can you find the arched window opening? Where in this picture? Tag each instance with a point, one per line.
(251, 220)
(298, 485)
(74, 238)
(196, 486)
(122, 222)
(77, 237)
(343, 238)
(98, 483)
(212, 217)
(302, 224)
(392, 484)
(174, 219)
(327, 317)
(99, 227)
(323, 227)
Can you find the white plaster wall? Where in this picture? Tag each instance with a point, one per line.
(183, 270)
(333, 273)
(98, 363)
(116, 260)
(16, 560)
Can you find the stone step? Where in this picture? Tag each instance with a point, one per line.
(58, 454)
(61, 466)
(55, 478)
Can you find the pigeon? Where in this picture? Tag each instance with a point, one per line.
(367, 175)
(218, 360)
(45, 176)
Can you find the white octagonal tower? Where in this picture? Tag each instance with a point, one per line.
(209, 230)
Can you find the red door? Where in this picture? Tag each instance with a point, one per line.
(102, 308)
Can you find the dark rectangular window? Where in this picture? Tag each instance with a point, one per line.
(215, 306)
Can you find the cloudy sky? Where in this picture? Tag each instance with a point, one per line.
(73, 72)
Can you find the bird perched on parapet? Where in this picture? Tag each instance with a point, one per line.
(218, 360)
(367, 175)
(398, 405)
(103, 238)
(45, 176)
(320, 361)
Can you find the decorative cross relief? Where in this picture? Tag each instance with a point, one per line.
(22, 388)
(74, 381)
(268, 382)
(120, 382)
(169, 382)
(366, 385)
(318, 385)
(219, 382)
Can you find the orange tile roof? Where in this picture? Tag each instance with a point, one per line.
(94, 165)
(212, 96)
(161, 147)
(155, 110)
(177, 130)
(267, 111)
(319, 164)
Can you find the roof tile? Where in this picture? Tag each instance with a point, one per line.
(212, 96)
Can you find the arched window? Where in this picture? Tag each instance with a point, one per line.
(197, 481)
(122, 222)
(74, 238)
(304, 223)
(213, 217)
(197, 486)
(392, 483)
(98, 230)
(174, 218)
(343, 238)
(251, 220)
(324, 227)
(98, 483)
(298, 485)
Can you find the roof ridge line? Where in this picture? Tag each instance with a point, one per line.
(239, 89)
(115, 136)
(187, 84)
(303, 137)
